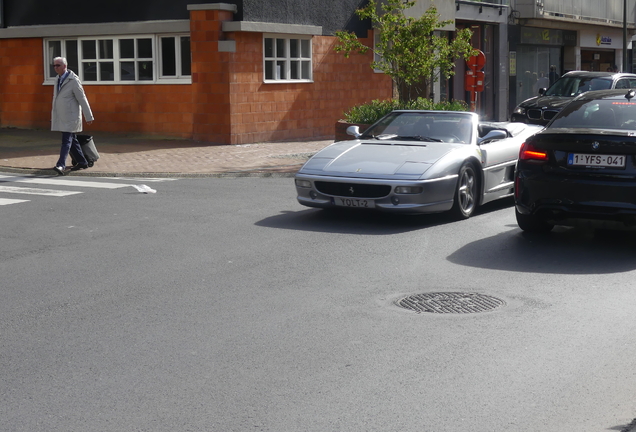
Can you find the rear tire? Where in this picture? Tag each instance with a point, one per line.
(465, 201)
(532, 223)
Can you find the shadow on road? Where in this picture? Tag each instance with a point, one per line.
(563, 251)
(349, 221)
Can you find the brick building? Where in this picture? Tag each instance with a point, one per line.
(228, 73)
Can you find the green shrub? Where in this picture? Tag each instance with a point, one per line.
(373, 111)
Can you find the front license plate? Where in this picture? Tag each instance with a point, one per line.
(353, 202)
(595, 160)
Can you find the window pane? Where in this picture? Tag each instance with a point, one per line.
(168, 57)
(269, 47)
(294, 72)
(145, 70)
(293, 48)
(269, 70)
(186, 62)
(71, 55)
(90, 71)
(305, 48)
(280, 48)
(144, 48)
(127, 71)
(89, 50)
(55, 50)
(280, 70)
(306, 70)
(106, 71)
(106, 49)
(126, 48)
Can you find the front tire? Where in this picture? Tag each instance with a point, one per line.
(465, 193)
(532, 223)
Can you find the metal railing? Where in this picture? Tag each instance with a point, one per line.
(606, 11)
(487, 2)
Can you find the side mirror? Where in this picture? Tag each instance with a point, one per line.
(493, 135)
(542, 91)
(354, 131)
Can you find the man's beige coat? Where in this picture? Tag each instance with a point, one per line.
(68, 104)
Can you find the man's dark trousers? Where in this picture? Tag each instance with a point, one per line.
(70, 143)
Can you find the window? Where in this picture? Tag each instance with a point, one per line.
(125, 59)
(376, 57)
(175, 56)
(287, 59)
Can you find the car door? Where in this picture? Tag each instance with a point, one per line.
(498, 158)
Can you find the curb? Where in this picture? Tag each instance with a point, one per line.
(256, 172)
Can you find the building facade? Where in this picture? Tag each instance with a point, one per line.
(228, 73)
(247, 71)
(550, 37)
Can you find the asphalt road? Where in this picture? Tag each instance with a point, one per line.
(221, 304)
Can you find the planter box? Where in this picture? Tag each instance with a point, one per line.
(341, 130)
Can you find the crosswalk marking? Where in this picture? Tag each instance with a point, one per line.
(7, 201)
(36, 191)
(62, 182)
(21, 185)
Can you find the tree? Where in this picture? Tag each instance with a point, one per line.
(408, 49)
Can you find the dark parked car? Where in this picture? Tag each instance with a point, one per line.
(543, 108)
(582, 167)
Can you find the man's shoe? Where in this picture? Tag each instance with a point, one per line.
(79, 167)
(59, 170)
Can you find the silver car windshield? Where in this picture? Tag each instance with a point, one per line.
(426, 127)
(572, 86)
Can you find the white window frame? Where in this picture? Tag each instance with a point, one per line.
(155, 58)
(278, 60)
(177, 53)
(376, 57)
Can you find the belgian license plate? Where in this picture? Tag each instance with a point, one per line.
(353, 202)
(596, 160)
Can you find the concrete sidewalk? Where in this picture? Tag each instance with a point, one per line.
(31, 151)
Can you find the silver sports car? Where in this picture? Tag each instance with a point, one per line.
(416, 162)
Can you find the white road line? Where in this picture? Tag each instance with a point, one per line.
(7, 201)
(63, 182)
(36, 191)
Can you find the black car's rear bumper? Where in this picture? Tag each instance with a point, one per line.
(557, 198)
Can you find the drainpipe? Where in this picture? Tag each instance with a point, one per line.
(624, 68)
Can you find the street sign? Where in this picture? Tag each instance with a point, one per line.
(474, 81)
(474, 78)
(476, 62)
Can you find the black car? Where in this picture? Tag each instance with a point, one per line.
(543, 108)
(582, 167)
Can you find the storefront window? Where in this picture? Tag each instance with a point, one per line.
(537, 67)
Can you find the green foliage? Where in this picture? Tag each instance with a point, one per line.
(408, 50)
(371, 112)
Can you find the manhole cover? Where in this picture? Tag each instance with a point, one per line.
(450, 302)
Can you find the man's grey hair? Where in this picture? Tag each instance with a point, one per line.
(62, 59)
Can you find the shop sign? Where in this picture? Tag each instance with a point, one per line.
(603, 40)
(513, 63)
(540, 36)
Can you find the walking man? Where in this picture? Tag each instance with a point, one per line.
(69, 100)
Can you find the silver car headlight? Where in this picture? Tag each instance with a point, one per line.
(408, 189)
(520, 110)
(303, 183)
